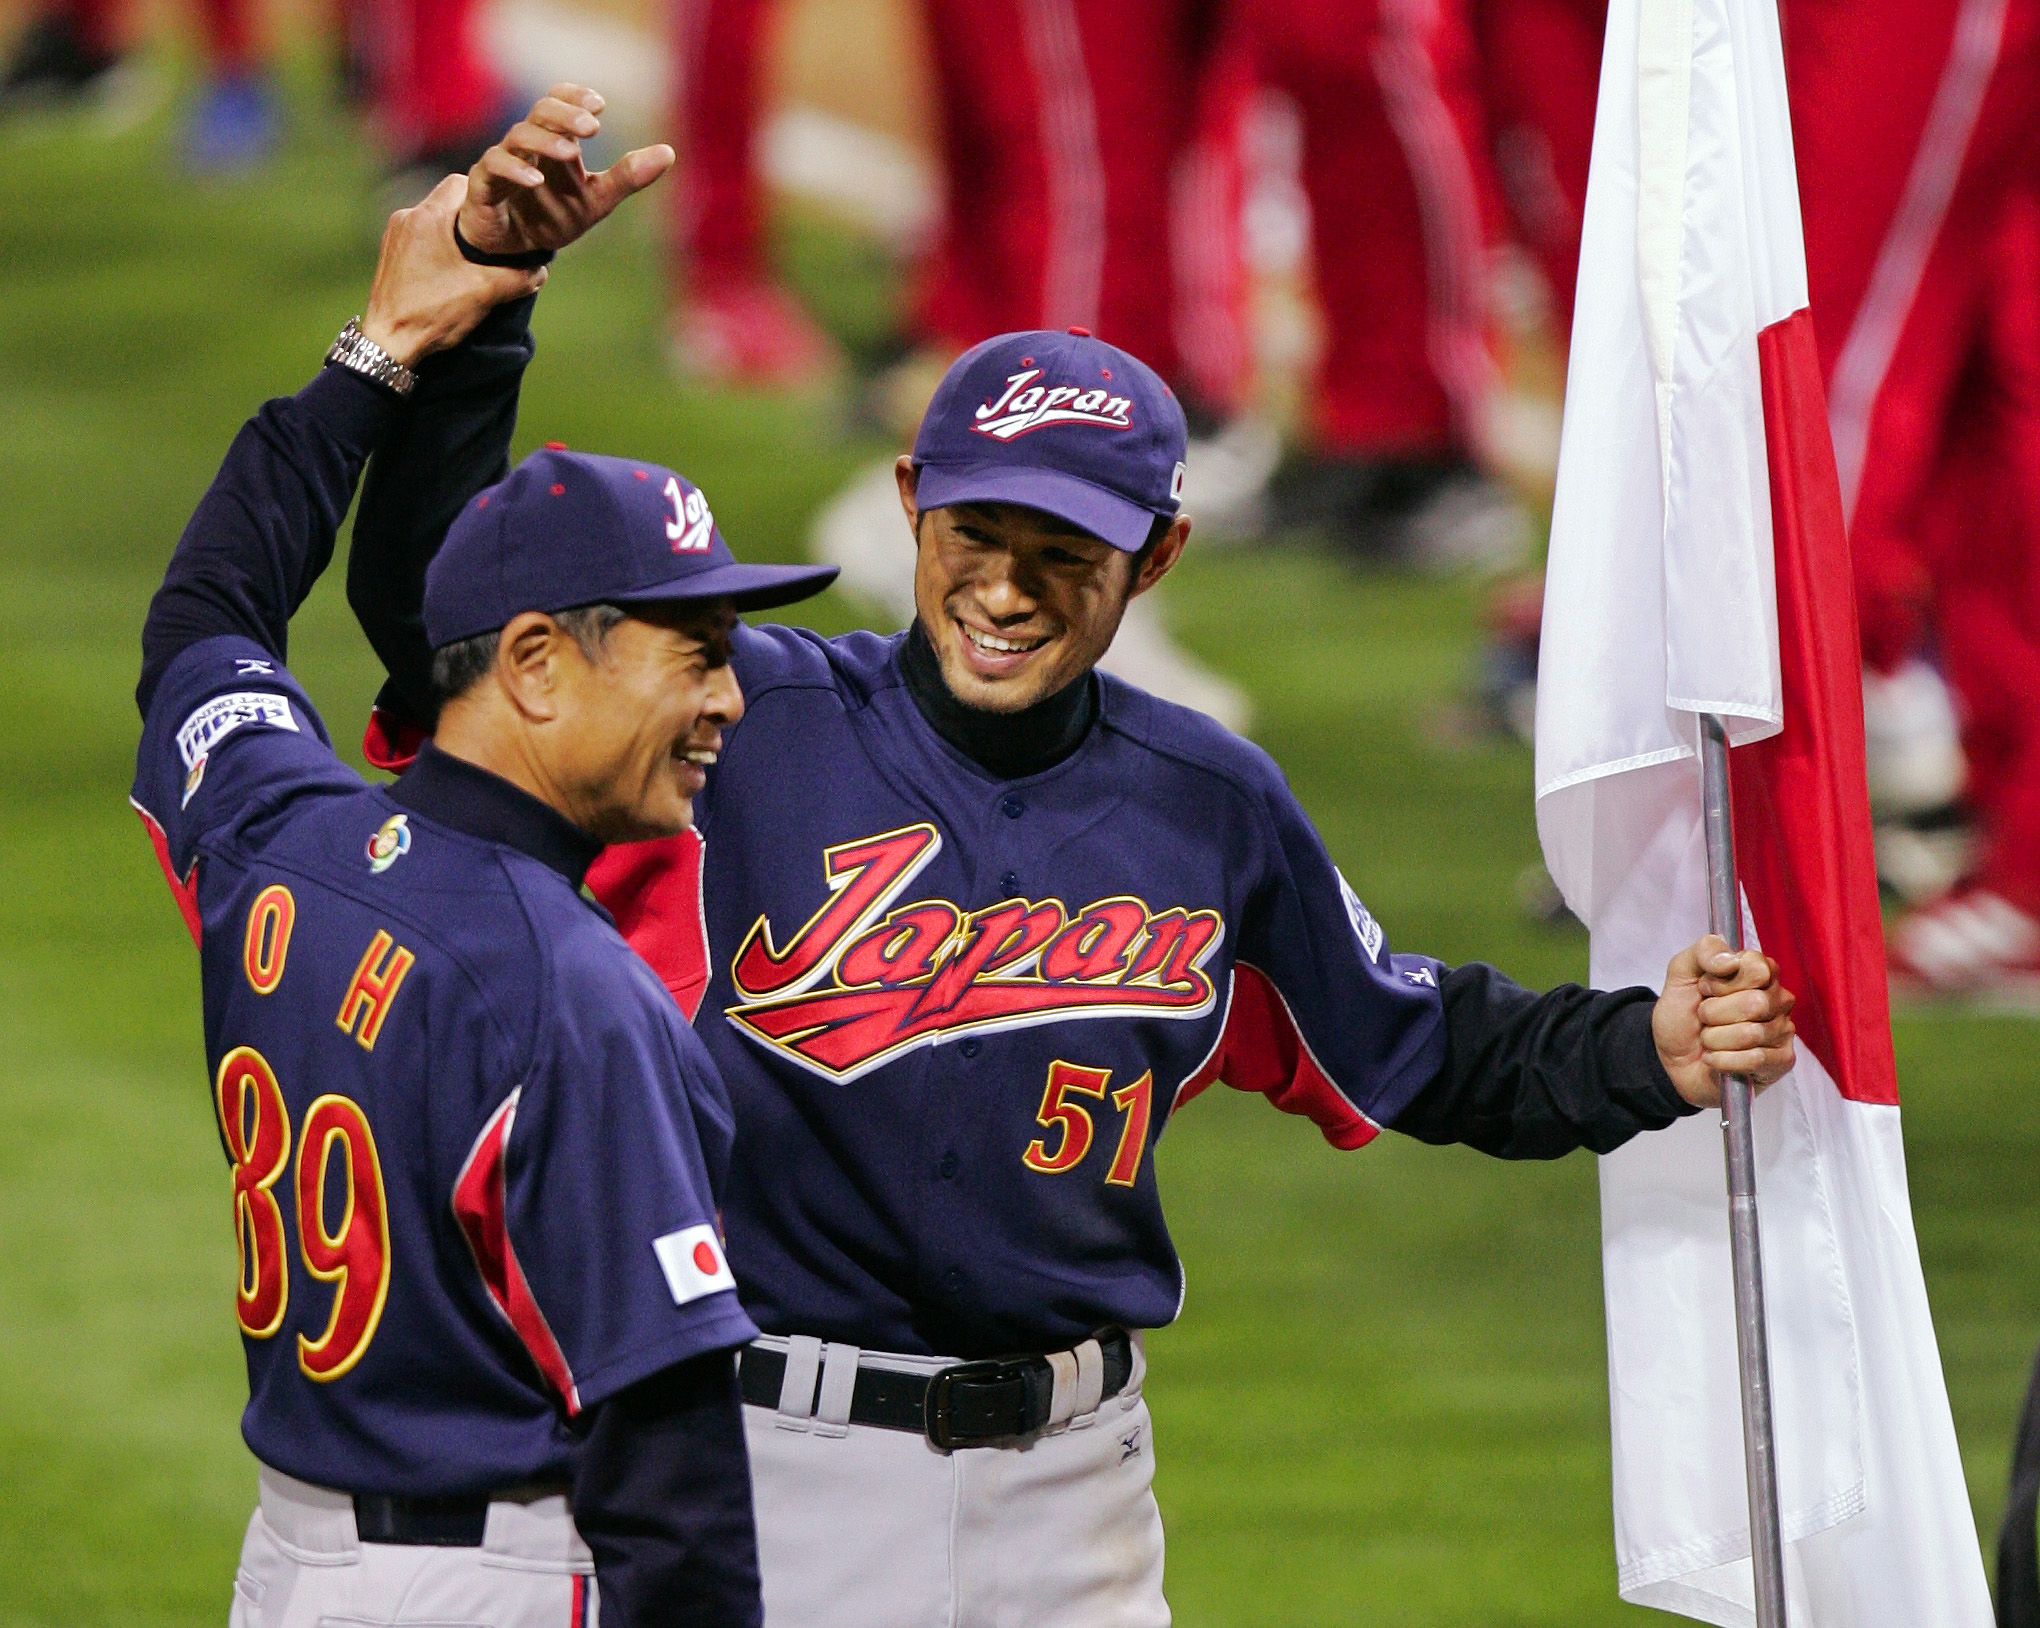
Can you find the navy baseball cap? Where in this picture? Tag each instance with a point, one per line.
(1060, 422)
(574, 528)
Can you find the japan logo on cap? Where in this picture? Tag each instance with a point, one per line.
(1028, 406)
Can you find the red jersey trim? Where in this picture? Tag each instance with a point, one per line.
(185, 892)
(653, 889)
(1261, 1049)
(478, 1207)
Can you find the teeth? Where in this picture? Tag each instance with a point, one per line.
(703, 758)
(991, 641)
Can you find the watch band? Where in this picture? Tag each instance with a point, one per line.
(358, 353)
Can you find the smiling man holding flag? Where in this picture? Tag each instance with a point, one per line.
(1699, 568)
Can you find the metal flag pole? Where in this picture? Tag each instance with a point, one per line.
(1753, 1360)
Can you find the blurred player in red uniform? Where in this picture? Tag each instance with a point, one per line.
(1915, 123)
(733, 320)
(1404, 207)
(1540, 71)
(1063, 122)
(434, 94)
(1084, 186)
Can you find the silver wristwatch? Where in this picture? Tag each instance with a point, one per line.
(355, 350)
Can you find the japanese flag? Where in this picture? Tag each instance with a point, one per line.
(1698, 564)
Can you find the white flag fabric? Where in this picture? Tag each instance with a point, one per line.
(1696, 515)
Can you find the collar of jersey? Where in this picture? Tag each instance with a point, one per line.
(454, 793)
(1005, 745)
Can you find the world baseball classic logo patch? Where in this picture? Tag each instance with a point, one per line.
(863, 981)
(1026, 406)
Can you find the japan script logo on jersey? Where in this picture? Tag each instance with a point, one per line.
(862, 981)
(1026, 406)
(222, 715)
(691, 524)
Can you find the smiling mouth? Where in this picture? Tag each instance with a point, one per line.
(993, 645)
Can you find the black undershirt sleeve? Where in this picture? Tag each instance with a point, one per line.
(451, 439)
(662, 1496)
(1529, 1076)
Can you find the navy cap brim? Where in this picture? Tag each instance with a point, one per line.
(747, 587)
(1106, 515)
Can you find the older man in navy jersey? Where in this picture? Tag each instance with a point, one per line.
(476, 1155)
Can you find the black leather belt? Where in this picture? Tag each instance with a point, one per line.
(969, 1404)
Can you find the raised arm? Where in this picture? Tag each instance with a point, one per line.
(264, 530)
(529, 197)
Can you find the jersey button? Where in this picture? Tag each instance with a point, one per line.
(1011, 883)
(949, 1166)
(1013, 808)
(952, 1279)
(970, 1048)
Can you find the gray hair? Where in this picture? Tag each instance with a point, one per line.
(460, 666)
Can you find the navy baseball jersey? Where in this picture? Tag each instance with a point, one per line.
(955, 1012)
(473, 1147)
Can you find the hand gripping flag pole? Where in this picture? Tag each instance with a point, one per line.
(1753, 1359)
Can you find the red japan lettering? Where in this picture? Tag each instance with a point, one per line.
(864, 878)
(994, 940)
(1094, 946)
(902, 948)
(1177, 940)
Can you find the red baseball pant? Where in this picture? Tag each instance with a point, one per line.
(1541, 71)
(1915, 124)
(1403, 204)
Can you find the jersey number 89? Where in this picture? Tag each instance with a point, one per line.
(353, 1253)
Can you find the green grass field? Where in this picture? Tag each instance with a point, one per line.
(1385, 1402)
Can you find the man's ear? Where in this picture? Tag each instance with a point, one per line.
(1163, 560)
(529, 653)
(909, 479)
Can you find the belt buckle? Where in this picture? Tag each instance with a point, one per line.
(942, 1387)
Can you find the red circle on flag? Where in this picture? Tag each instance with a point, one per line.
(704, 1260)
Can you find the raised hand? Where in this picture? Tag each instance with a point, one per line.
(1723, 1012)
(531, 192)
(427, 295)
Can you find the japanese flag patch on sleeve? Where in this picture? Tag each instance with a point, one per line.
(694, 1263)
